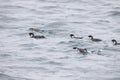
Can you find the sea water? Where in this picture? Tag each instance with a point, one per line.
(53, 58)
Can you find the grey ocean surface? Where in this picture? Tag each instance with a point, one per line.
(24, 58)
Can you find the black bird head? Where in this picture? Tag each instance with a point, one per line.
(71, 35)
(90, 36)
(31, 34)
(114, 41)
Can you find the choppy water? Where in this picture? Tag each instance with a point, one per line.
(24, 58)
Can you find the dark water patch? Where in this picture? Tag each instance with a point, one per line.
(5, 12)
(5, 55)
(115, 48)
(7, 19)
(79, 43)
(51, 7)
(66, 1)
(54, 63)
(36, 30)
(30, 49)
(64, 68)
(102, 21)
(2, 27)
(71, 42)
(114, 13)
(58, 33)
(77, 9)
(109, 53)
(55, 25)
(8, 27)
(55, 28)
(117, 30)
(54, 1)
(117, 78)
(11, 7)
(28, 45)
(116, 7)
(64, 57)
(28, 67)
(66, 50)
(41, 12)
(7, 77)
(53, 49)
(54, 33)
(21, 34)
(37, 59)
(107, 4)
(77, 22)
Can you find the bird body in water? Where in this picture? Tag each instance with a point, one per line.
(115, 42)
(36, 37)
(73, 36)
(83, 51)
(94, 39)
